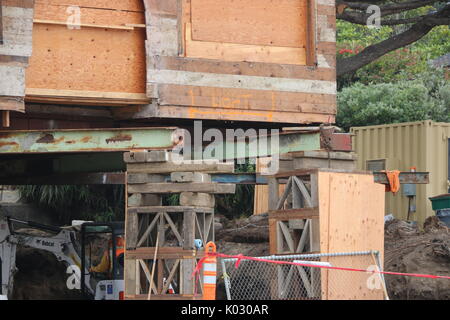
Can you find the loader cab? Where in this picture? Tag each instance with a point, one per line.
(102, 258)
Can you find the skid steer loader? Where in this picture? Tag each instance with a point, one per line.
(70, 245)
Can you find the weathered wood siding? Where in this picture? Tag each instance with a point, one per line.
(17, 25)
(265, 60)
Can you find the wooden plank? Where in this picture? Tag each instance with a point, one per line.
(5, 118)
(187, 265)
(163, 253)
(287, 236)
(304, 237)
(185, 166)
(171, 209)
(205, 79)
(323, 154)
(315, 225)
(304, 191)
(90, 16)
(227, 114)
(244, 68)
(149, 229)
(132, 229)
(171, 276)
(82, 25)
(273, 236)
(56, 95)
(302, 213)
(164, 297)
(148, 275)
(273, 199)
(130, 266)
(159, 188)
(255, 22)
(173, 227)
(280, 203)
(246, 99)
(311, 52)
(126, 5)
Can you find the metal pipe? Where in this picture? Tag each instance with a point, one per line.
(318, 255)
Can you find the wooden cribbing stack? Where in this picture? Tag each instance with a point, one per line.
(150, 176)
(326, 207)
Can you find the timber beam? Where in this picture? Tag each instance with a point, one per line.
(118, 178)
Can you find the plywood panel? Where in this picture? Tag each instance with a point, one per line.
(87, 59)
(105, 58)
(251, 22)
(243, 52)
(351, 219)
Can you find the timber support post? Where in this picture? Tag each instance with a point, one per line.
(173, 228)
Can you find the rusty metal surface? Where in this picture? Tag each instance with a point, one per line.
(341, 142)
(87, 140)
(405, 177)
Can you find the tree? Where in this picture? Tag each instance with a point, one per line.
(406, 13)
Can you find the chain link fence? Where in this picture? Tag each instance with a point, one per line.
(264, 280)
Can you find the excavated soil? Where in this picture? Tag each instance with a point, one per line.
(409, 250)
(41, 277)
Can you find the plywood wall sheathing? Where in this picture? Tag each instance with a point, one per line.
(102, 63)
(237, 60)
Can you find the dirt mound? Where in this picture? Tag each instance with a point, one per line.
(254, 229)
(411, 251)
(41, 277)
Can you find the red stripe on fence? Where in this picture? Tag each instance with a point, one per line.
(241, 257)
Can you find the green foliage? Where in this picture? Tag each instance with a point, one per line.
(401, 86)
(97, 203)
(402, 64)
(403, 101)
(239, 204)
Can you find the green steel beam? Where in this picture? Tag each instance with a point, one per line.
(90, 140)
(264, 146)
(99, 140)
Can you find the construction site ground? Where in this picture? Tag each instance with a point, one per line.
(407, 249)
